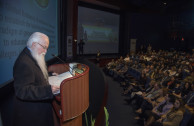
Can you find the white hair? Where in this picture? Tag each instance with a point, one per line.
(40, 59)
(37, 37)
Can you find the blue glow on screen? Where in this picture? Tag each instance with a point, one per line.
(18, 20)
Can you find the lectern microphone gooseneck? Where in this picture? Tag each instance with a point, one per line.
(64, 64)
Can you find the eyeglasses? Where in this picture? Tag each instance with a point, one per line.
(44, 47)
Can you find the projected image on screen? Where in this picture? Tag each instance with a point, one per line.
(99, 34)
(99, 30)
(18, 20)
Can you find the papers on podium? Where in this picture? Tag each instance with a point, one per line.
(56, 80)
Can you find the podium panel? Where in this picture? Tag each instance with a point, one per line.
(73, 99)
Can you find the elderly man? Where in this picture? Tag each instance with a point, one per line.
(32, 104)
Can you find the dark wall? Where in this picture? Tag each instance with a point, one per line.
(188, 25)
(124, 44)
(162, 30)
(149, 29)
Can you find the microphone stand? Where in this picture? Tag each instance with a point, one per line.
(64, 64)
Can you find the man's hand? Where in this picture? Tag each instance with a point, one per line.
(55, 74)
(55, 89)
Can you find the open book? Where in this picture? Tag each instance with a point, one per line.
(56, 80)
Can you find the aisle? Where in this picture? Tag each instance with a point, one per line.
(120, 114)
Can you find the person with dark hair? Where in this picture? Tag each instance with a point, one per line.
(189, 78)
(184, 91)
(189, 99)
(171, 83)
(33, 93)
(160, 109)
(165, 79)
(148, 105)
(173, 117)
(189, 108)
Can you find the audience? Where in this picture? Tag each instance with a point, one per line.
(150, 76)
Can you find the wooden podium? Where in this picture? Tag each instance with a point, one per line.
(73, 99)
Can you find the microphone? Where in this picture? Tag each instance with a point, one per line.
(64, 64)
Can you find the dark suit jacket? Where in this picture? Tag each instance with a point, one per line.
(32, 104)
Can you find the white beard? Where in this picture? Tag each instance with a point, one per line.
(40, 59)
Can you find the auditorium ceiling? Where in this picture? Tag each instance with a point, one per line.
(164, 6)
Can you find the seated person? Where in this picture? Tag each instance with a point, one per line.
(179, 74)
(184, 91)
(177, 89)
(173, 117)
(109, 66)
(189, 112)
(120, 73)
(154, 93)
(190, 78)
(159, 110)
(149, 104)
(171, 83)
(133, 89)
(112, 68)
(166, 78)
(127, 58)
(189, 100)
(172, 71)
